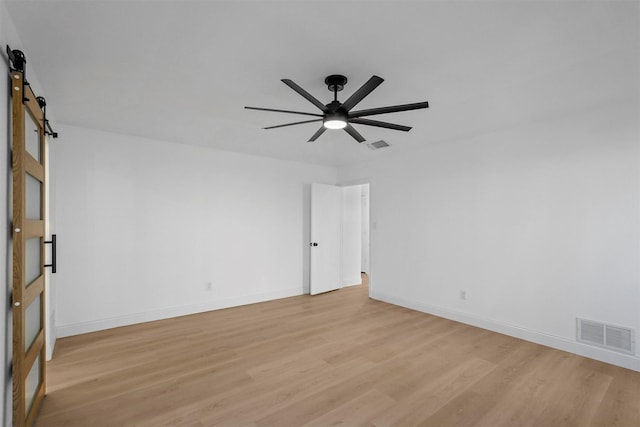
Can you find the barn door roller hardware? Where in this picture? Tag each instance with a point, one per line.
(47, 127)
(18, 62)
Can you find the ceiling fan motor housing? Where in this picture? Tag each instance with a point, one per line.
(336, 107)
(335, 119)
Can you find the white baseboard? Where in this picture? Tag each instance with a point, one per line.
(169, 312)
(601, 354)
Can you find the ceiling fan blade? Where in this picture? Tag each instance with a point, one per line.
(369, 122)
(283, 111)
(364, 90)
(305, 94)
(391, 109)
(317, 134)
(354, 133)
(291, 124)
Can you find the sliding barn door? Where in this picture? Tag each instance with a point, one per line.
(326, 238)
(28, 223)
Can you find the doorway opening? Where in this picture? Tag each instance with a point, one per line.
(340, 244)
(355, 234)
(356, 244)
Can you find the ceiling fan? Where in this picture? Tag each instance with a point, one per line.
(338, 115)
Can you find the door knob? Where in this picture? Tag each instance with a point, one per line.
(17, 303)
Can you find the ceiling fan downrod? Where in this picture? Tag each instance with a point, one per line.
(335, 83)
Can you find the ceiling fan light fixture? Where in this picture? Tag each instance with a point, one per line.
(335, 120)
(335, 124)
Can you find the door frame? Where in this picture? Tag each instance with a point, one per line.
(372, 224)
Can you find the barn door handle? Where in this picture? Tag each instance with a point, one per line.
(52, 242)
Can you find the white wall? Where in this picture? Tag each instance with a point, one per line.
(143, 226)
(539, 224)
(351, 235)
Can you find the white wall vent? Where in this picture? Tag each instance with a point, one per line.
(600, 334)
(378, 145)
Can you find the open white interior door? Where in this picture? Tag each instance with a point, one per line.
(326, 235)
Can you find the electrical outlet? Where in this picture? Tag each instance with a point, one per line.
(463, 295)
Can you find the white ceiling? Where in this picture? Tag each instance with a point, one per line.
(182, 71)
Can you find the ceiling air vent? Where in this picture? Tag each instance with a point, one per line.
(612, 337)
(378, 145)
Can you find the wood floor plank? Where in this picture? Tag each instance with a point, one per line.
(620, 406)
(333, 359)
(543, 393)
(288, 394)
(469, 406)
(356, 412)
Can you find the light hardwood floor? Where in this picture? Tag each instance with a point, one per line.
(334, 359)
